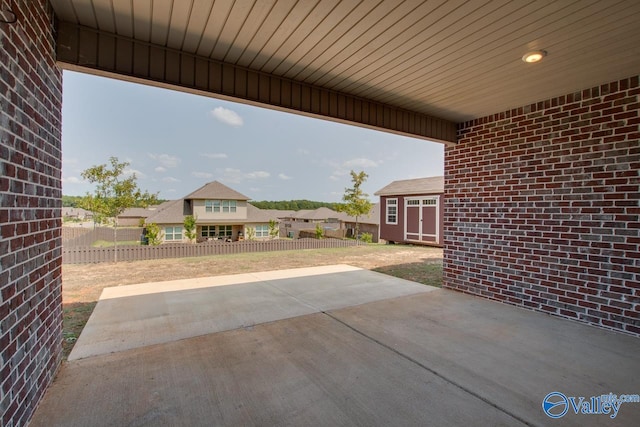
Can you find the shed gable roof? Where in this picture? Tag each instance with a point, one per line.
(434, 184)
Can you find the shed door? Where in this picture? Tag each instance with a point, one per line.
(421, 219)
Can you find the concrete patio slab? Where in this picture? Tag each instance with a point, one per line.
(426, 358)
(306, 371)
(128, 317)
(506, 355)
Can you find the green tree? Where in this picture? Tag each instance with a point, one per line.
(154, 234)
(355, 200)
(190, 228)
(293, 205)
(115, 191)
(70, 201)
(273, 229)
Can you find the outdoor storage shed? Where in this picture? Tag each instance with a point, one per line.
(411, 211)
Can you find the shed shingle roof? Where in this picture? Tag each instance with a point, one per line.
(434, 184)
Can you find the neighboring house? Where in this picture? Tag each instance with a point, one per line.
(329, 220)
(369, 223)
(306, 219)
(76, 214)
(412, 211)
(133, 216)
(221, 214)
(314, 216)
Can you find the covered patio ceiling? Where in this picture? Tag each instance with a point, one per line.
(446, 60)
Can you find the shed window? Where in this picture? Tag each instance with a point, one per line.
(392, 211)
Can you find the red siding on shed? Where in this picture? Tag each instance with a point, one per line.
(396, 232)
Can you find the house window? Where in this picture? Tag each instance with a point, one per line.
(220, 205)
(392, 211)
(262, 230)
(225, 230)
(172, 233)
(208, 231)
(228, 206)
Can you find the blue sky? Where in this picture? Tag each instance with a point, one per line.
(177, 142)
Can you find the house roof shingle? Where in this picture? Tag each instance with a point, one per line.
(216, 190)
(434, 184)
(172, 212)
(373, 217)
(256, 215)
(317, 214)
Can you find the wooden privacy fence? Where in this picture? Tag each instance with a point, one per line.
(87, 254)
(76, 236)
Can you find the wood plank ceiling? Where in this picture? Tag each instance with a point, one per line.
(452, 59)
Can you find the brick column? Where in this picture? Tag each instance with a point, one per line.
(30, 207)
(543, 204)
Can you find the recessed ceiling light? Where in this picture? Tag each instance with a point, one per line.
(534, 56)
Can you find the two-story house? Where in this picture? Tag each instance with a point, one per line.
(221, 214)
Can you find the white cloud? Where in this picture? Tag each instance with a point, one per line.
(205, 175)
(216, 155)
(361, 163)
(284, 177)
(257, 175)
(343, 169)
(71, 180)
(236, 176)
(160, 169)
(170, 179)
(166, 160)
(229, 117)
(138, 174)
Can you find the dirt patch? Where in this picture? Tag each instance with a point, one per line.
(82, 284)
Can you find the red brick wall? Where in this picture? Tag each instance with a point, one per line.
(30, 207)
(542, 207)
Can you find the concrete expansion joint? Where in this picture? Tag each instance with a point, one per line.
(431, 370)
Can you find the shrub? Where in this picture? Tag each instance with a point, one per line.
(367, 237)
(190, 228)
(273, 229)
(154, 234)
(251, 233)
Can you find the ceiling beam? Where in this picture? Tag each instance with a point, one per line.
(98, 52)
